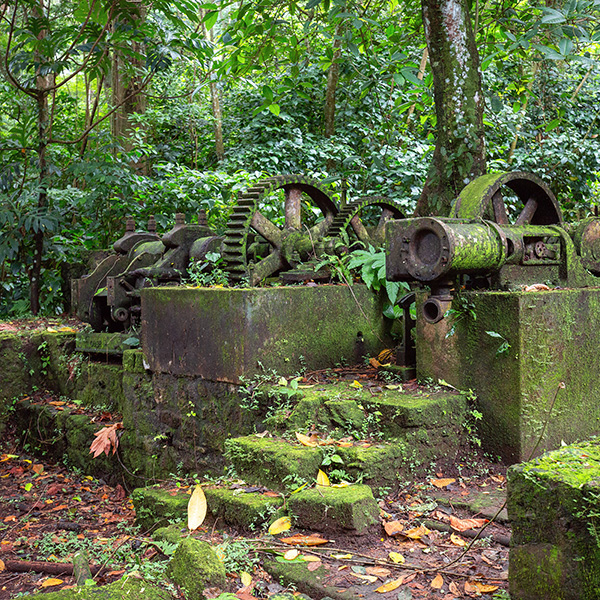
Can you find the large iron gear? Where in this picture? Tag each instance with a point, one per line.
(247, 256)
(349, 219)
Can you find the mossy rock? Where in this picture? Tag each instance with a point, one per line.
(245, 510)
(156, 508)
(127, 588)
(335, 508)
(195, 566)
(172, 534)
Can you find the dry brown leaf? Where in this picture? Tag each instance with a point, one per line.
(438, 582)
(454, 589)
(537, 287)
(271, 494)
(304, 540)
(393, 527)
(50, 582)
(106, 439)
(39, 469)
(374, 363)
(314, 565)
(2, 565)
(416, 533)
(442, 483)
(390, 586)
(471, 589)
(378, 571)
(466, 524)
(196, 509)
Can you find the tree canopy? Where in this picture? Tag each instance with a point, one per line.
(121, 107)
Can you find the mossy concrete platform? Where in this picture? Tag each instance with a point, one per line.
(514, 349)
(553, 507)
(156, 508)
(226, 334)
(351, 508)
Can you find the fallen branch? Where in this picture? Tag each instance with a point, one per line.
(51, 568)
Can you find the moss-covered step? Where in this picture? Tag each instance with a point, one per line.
(128, 588)
(350, 508)
(342, 409)
(104, 344)
(284, 465)
(156, 508)
(553, 508)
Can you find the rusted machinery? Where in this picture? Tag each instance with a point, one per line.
(254, 247)
(504, 231)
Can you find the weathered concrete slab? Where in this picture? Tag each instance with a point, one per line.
(226, 334)
(553, 507)
(550, 339)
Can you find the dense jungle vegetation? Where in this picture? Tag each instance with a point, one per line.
(133, 107)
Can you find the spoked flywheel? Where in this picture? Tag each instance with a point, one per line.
(517, 198)
(255, 247)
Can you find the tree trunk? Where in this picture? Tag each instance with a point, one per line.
(333, 77)
(459, 154)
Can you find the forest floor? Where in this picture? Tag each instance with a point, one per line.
(423, 547)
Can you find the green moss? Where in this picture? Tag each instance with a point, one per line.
(246, 510)
(172, 534)
(101, 386)
(155, 508)
(331, 509)
(133, 361)
(195, 566)
(128, 587)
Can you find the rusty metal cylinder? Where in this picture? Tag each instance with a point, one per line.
(434, 248)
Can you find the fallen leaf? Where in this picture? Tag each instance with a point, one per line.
(378, 571)
(322, 479)
(396, 557)
(311, 442)
(453, 589)
(244, 594)
(2, 565)
(106, 439)
(442, 483)
(356, 384)
(536, 287)
(393, 527)
(438, 582)
(291, 554)
(50, 582)
(314, 565)
(196, 509)
(246, 578)
(466, 524)
(39, 469)
(309, 558)
(341, 556)
(281, 525)
(369, 578)
(485, 589)
(390, 586)
(304, 540)
(416, 533)
(271, 494)
(457, 540)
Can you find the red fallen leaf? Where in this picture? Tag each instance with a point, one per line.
(304, 540)
(53, 489)
(106, 439)
(466, 524)
(16, 471)
(244, 594)
(119, 493)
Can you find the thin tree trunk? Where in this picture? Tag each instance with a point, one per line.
(333, 78)
(459, 154)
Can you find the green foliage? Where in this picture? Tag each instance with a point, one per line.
(208, 272)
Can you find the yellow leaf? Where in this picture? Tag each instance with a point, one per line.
(196, 509)
(396, 557)
(311, 558)
(305, 440)
(374, 363)
(341, 556)
(50, 582)
(442, 483)
(322, 479)
(291, 554)
(390, 586)
(281, 525)
(438, 582)
(416, 533)
(282, 382)
(2, 565)
(369, 578)
(485, 589)
(246, 579)
(67, 330)
(356, 384)
(392, 386)
(342, 484)
(457, 540)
